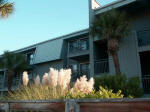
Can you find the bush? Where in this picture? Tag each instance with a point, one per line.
(100, 94)
(130, 87)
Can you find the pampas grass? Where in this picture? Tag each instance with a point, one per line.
(83, 85)
(37, 81)
(56, 85)
(25, 78)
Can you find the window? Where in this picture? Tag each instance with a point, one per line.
(30, 58)
(73, 45)
(84, 44)
(74, 68)
(84, 68)
(144, 37)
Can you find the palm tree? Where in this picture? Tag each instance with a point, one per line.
(112, 26)
(6, 8)
(14, 64)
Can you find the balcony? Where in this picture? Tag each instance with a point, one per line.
(101, 66)
(79, 70)
(78, 47)
(146, 83)
(76, 75)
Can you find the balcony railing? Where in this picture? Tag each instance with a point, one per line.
(146, 83)
(73, 50)
(101, 66)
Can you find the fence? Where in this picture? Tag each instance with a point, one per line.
(82, 105)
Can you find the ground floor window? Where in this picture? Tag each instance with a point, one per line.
(84, 69)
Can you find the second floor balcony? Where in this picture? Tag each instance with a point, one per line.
(78, 47)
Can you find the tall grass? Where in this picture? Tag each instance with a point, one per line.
(56, 85)
(33, 92)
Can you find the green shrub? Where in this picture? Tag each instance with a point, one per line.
(100, 94)
(130, 87)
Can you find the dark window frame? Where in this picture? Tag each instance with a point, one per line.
(142, 37)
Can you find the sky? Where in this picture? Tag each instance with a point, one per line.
(34, 21)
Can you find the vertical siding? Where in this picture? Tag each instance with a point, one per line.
(48, 51)
(43, 68)
(111, 66)
(128, 57)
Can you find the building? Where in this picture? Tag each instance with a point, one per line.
(88, 55)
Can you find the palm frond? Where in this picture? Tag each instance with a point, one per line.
(6, 9)
(111, 24)
(14, 61)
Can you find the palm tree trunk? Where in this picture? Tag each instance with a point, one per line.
(116, 63)
(9, 74)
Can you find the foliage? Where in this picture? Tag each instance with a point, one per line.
(15, 62)
(129, 87)
(111, 24)
(6, 8)
(100, 94)
(58, 87)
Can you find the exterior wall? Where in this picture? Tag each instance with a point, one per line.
(43, 68)
(128, 57)
(48, 51)
(140, 24)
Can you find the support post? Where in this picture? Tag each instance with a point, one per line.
(4, 107)
(91, 44)
(72, 106)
